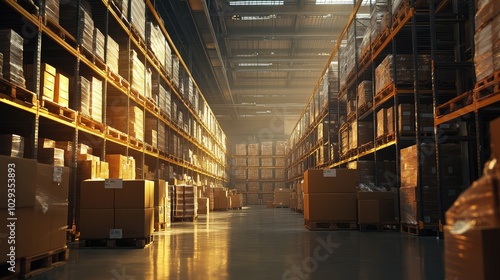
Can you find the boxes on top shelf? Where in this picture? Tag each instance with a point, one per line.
(12, 49)
(156, 41)
(253, 149)
(404, 71)
(50, 10)
(98, 44)
(86, 30)
(487, 49)
(96, 99)
(486, 12)
(112, 54)
(138, 18)
(61, 94)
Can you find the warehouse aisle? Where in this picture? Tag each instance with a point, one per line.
(260, 243)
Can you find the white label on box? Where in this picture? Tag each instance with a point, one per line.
(113, 183)
(330, 173)
(115, 233)
(57, 174)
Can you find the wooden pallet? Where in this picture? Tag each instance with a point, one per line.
(420, 231)
(365, 147)
(378, 227)
(236, 208)
(488, 86)
(377, 42)
(330, 225)
(35, 265)
(139, 98)
(57, 109)
(456, 103)
(151, 105)
(118, 80)
(135, 142)
(401, 12)
(384, 139)
(138, 243)
(386, 91)
(17, 92)
(160, 226)
(365, 108)
(90, 123)
(137, 37)
(118, 135)
(119, 12)
(58, 29)
(99, 63)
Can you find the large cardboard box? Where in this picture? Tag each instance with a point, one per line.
(58, 226)
(117, 165)
(94, 195)
(330, 180)
(96, 223)
(203, 205)
(159, 214)
(376, 207)
(21, 170)
(52, 183)
(472, 255)
(135, 194)
(61, 95)
(135, 223)
(338, 207)
(282, 197)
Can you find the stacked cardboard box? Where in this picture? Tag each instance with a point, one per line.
(51, 10)
(236, 200)
(61, 94)
(330, 195)
(240, 174)
(487, 49)
(390, 120)
(86, 30)
(203, 205)
(161, 212)
(1, 65)
(279, 173)
(120, 166)
(266, 174)
(280, 148)
(12, 145)
(404, 71)
(266, 148)
(382, 122)
(253, 149)
(410, 199)
(186, 202)
(253, 173)
(426, 115)
(241, 149)
(366, 171)
(151, 135)
(117, 118)
(112, 54)
(221, 198)
(406, 122)
(376, 208)
(168, 58)
(361, 132)
(137, 72)
(124, 211)
(41, 208)
(281, 197)
(252, 199)
(48, 81)
(85, 91)
(138, 18)
(96, 99)
(156, 41)
(365, 93)
(98, 44)
(378, 23)
(48, 153)
(175, 70)
(12, 49)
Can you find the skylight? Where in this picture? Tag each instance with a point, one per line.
(341, 2)
(256, 3)
(238, 17)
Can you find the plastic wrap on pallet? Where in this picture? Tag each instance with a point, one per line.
(365, 93)
(404, 71)
(486, 11)
(96, 99)
(487, 49)
(84, 88)
(86, 30)
(138, 17)
(98, 44)
(136, 70)
(12, 49)
(408, 205)
(12, 145)
(112, 54)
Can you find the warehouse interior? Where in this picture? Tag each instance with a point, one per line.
(238, 139)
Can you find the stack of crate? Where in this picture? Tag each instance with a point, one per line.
(51, 10)
(48, 81)
(365, 94)
(86, 30)
(281, 198)
(61, 94)
(98, 44)
(404, 71)
(487, 49)
(120, 166)
(96, 99)
(48, 153)
(161, 206)
(12, 49)
(12, 145)
(186, 203)
(385, 121)
(138, 18)
(112, 54)
(124, 212)
(151, 132)
(156, 41)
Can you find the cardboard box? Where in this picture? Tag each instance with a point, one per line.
(203, 205)
(337, 207)
(376, 207)
(135, 223)
(61, 94)
(52, 156)
(330, 181)
(282, 197)
(159, 214)
(59, 226)
(117, 165)
(24, 185)
(96, 223)
(269, 204)
(52, 183)
(135, 194)
(94, 195)
(472, 255)
(12, 145)
(160, 190)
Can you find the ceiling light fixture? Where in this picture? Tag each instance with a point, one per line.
(245, 64)
(340, 2)
(256, 3)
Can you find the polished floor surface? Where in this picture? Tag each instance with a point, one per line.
(260, 243)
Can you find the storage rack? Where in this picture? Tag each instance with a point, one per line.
(257, 169)
(460, 109)
(195, 149)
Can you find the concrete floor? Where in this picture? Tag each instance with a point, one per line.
(260, 243)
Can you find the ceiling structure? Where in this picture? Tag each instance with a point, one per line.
(256, 62)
